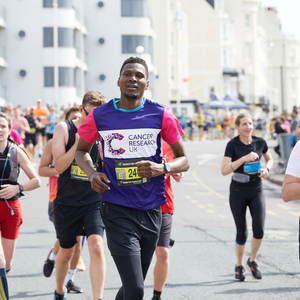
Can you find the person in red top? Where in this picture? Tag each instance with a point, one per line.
(164, 244)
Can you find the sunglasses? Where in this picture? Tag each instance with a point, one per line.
(85, 111)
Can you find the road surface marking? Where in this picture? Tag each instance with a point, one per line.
(211, 211)
(270, 212)
(283, 206)
(222, 216)
(194, 201)
(294, 213)
(189, 183)
(201, 206)
(187, 197)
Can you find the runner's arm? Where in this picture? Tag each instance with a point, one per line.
(85, 163)
(264, 171)
(179, 164)
(62, 159)
(25, 126)
(290, 188)
(46, 160)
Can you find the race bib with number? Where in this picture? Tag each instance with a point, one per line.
(32, 130)
(126, 172)
(77, 174)
(252, 167)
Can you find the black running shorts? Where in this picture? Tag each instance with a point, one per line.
(71, 221)
(165, 231)
(130, 231)
(30, 139)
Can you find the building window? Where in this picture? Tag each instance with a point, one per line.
(48, 76)
(65, 37)
(134, 8)
(60, 3)
(247, 21)
(130, 42)
(66, 76)
(248, 52)
(21, 33)
(48, 36)
(22, 73)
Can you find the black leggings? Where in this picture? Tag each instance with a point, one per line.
(133, 273)
(240, 198)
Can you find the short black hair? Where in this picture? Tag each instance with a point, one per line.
(135, 60)
(72, 109)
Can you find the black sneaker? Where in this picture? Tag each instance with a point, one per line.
(48, 266)
(240, 273)
(60, 296)
(253, 268)
(72, 288)
(156, 298)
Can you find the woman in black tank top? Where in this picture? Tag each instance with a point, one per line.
(242, 158)
(11, 158)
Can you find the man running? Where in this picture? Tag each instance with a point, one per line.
(77, 206)
(46, 169)
(132, 181)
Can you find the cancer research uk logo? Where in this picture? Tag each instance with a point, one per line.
(141, 143)
(108, 139)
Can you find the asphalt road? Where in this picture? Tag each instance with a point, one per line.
(203, 258)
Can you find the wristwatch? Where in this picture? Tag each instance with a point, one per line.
(21, 187)
(167, 168)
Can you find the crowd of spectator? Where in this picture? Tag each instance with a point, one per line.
(33, 126)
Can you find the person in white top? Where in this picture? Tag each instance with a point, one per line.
(291, 184)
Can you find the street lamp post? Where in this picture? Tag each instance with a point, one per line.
(55, 49)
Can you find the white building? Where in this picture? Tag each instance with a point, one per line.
(31, 51)
(89, 51)
(171, 55)
(284, 64)
(116, 29)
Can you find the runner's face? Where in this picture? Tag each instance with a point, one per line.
(246, 127)
(74, 115)
(4, 130)
(133, 81)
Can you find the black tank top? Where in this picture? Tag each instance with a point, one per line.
(31, 122)
(73, 188)
(4, 179)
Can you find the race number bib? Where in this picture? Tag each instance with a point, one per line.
(252, 167)
(126, 172)
(77, 174)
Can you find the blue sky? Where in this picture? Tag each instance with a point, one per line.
(288, 12)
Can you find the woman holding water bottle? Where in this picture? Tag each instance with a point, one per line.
(243, 158)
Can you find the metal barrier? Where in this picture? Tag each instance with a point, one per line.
(285, 146)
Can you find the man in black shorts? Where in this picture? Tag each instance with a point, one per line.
(77, 205)
(30, 137)
(132, 183)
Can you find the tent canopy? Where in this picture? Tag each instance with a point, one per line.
(215, 102)
(234, 103)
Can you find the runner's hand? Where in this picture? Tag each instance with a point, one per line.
(97, 184)
(177, 176)
(263, 173)
(148, 169)
(252, 156)
(9, 190)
